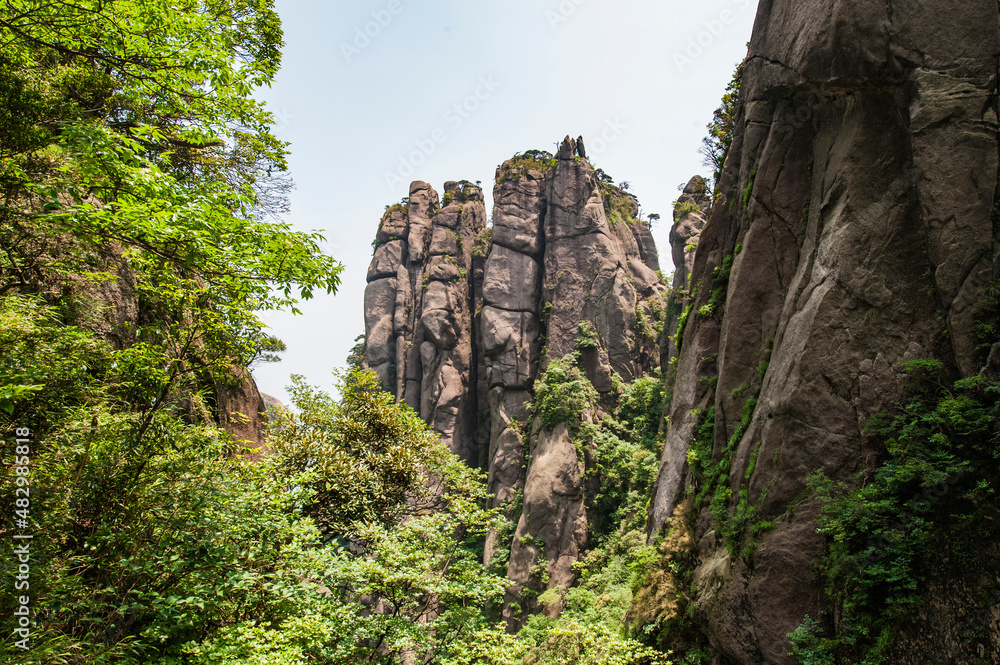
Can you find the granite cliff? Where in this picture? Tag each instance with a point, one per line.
(851, 234)
(461, 319)
(847, 245)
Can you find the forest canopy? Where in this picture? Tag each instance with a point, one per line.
(141, 236)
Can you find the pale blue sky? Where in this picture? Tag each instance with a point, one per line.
(375, 93)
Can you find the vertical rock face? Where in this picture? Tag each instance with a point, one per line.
(463, 338)
(419, 307)
(511, 323)
(690, 212)
(588, 269)
(853, 233)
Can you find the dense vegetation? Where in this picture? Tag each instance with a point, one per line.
(619, 453)
(927, 512)
(141, 236)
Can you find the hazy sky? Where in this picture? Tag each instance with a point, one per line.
(375, 93)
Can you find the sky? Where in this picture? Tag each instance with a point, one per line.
(373, 94)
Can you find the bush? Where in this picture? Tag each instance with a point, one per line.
(930, 505)
(563, 392)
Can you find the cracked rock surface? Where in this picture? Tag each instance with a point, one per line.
(460, 321)
(858, 189)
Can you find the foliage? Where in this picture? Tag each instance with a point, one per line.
(149, 531)
(620, 206)
(595, 644)
(563, 392)
(591, 628)
(809, 646)
(586, 338)
(661, 611)
(132, 149)
(929, 506)
(720, 286)
(518, 166)
(644, 327)
(267, 350)
(626, 459)
(715, 146)
(484, 241)
(682, 208)
(356, 356)
(366, 452)
(620, 456)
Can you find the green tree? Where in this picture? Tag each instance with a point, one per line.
(715, 146)
(130, 132)
(401, 515)
(368, 453)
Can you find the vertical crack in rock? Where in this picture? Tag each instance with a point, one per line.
(419, 308)
(459, 327)
(852, 232)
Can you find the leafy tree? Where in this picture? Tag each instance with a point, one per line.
(405, 580)
(715, 146)
(131, 132)
(369, 455)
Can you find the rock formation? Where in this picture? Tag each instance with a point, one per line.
(690, 211)
(419, 308)
(853, 232)
(565, 254)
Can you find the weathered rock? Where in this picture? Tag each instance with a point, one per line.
(554, 262)
(419, 311)
(553, 526)
(646, 246)
(386, 260)
(240, 407)
(519, 209)
(394, 225)
(567, 150)
(689, 220)
(380, 306)
(423, 203)
(511, 346)
(858, 191)
(515, 281)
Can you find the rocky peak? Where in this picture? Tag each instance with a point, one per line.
(419, 308)
(462, 335)
(690, 213)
